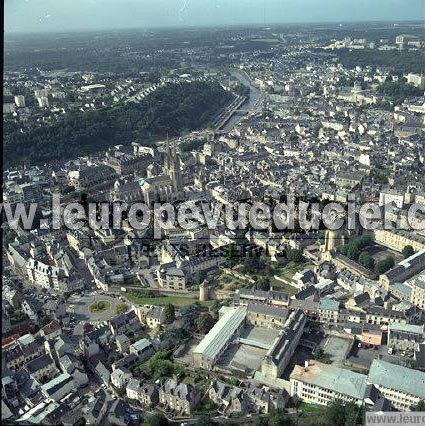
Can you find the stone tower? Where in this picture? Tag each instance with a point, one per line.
(172, 166)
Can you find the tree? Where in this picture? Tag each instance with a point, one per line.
(43, 321)
(230, 255)
(205, 420)
(354, 414)
(407, 251)
(420, 406)
(171, 109)
(343, 414)
(278, 418)
(263, 283)
(335, 413)
(169, 313)
(295, 255)
(321, 356)
(366, 260)
(384, 265)
(205, 322)
(156, 420)
(254, 264)
(353, 250)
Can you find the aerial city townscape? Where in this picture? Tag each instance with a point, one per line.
(166, 321)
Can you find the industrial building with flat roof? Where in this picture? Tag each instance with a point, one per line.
(219, 337)
(231, 326)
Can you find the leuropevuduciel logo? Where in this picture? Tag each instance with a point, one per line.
(292, 215)
(390, 418)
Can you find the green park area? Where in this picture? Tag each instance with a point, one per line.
(143, 299)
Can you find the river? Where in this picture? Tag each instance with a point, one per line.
(254, 96)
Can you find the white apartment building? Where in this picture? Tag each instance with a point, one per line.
(318, 383)
(403, 386)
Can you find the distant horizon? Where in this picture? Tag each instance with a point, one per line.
(267, 25)
(51, 16)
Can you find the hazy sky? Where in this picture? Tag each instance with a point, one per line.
(64, 15)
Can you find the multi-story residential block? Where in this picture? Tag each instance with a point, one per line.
(232, 401)
(405, 336)
(49, 276)
(266, 316)
(120, 377)
(403, 386)
(123, 343)
(25, 349)
(328, 310)
(122, 323)
(145, 393)
(179, 397)
(42, 368)
(58, 387)
(155, 317)
(245, 296)
(171, 278)
(417, 295)
(398, 239)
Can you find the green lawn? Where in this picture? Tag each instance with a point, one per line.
(287, 272)
(175, 300)
(280, 286)
(310, 408)
(229, 282)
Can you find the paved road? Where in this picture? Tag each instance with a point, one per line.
(79, 306)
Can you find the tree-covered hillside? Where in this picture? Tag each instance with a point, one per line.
(172, 109)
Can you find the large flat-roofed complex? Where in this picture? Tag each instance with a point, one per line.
(403, 386)
(248, 327)
(216, 341)
(319, 383)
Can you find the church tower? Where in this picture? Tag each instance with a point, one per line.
(172, 166)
